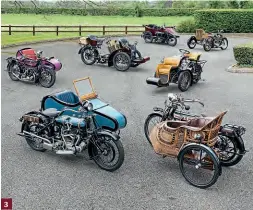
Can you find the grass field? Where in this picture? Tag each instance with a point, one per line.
(30, 19)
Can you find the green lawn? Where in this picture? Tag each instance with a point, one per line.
(30, 19)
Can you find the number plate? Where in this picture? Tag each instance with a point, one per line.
(31, 118)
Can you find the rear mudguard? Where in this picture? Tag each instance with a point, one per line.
(207, 148)
(230, 132)
(114, 136)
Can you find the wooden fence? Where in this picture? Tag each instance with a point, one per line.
(75, 29)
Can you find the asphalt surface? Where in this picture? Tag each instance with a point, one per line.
(36, 180)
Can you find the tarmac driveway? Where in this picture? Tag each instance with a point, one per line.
(37, 180)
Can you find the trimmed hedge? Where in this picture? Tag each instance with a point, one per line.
(187, 26)
(244, 54)
(230, 20)
(101, 11)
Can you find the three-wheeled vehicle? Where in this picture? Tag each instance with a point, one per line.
(122, 55)
(184, 70)
(106, 116)
(208, 40)
(162, 34)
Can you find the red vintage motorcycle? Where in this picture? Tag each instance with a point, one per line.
(161, 34)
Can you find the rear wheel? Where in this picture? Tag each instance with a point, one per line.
(148, 37)
(199, 166)
(89, 56)
(172, 41)
(13, 71)
(108, 154)
(208, 45)
(121, 61)
(47, 77)
(152, 120)
(184, 80)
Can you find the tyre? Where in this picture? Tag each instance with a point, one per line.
(34, 143)
(150, 122)
(121, 61)
(228, 151)
(172, 41)
(13, 68)
(106, 147)
(199, 166)
(148, 37)
(225, 42)
(184, 80)
(47, 77)
(89, 56)
(191, 43)
(208, 45)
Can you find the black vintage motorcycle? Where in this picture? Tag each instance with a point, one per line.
(30, 66)
(230, 143)
(68, 135)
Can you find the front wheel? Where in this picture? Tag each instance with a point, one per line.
(224, 44)
(13, 71)
(121, 61)
(47, 77)
(229, 150)
(199, 166)
(108, 153)
(148, 37)
(152, 120)
(184, 80)
(172, 41)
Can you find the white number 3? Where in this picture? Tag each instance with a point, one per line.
(6, 204)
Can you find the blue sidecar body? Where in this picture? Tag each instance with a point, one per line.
(106, 116)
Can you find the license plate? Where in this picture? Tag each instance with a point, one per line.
(31, 118)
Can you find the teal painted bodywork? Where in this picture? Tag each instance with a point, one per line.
(78, 122)
(106, 116)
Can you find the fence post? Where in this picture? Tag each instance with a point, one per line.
(125, 29)
(33, 30)
(80, 30)
(103, 30)
(9, 29)
(57, 30)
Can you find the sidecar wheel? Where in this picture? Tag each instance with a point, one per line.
(225, 41)
(88, 56)
(199, 166)
(228, 151)
(153, 119)
(184, 80)
(111, 147)
(121, 61)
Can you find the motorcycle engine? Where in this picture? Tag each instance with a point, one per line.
(29, 73)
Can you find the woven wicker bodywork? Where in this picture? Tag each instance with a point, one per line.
(168, 137)
(201, 34)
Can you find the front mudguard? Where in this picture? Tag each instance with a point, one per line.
(114, 136)
(202, 146)
(10, 61)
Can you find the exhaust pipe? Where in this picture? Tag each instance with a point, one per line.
(154, 81)
(28, 134)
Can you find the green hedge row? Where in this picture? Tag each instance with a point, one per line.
(244, 54)
(104, 11)
(231, 21)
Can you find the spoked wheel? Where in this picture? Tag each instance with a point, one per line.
(184, 80)
(89, 56)
(47, 77)
(199, 166)
(13, 71)
(228, 150)
(192, 43)
(35, 143)
(108, 154)
(208, 45)
(122, 61)
(152, 120)
(172, 41)
(224, 44)
(148, 37)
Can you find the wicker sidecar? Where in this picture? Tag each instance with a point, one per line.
(183, 70)
(106, 116)
(122, 55)
(192, 142)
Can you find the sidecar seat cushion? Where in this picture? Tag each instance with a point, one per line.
(67, 96)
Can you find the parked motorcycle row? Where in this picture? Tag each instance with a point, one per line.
(70, 123)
